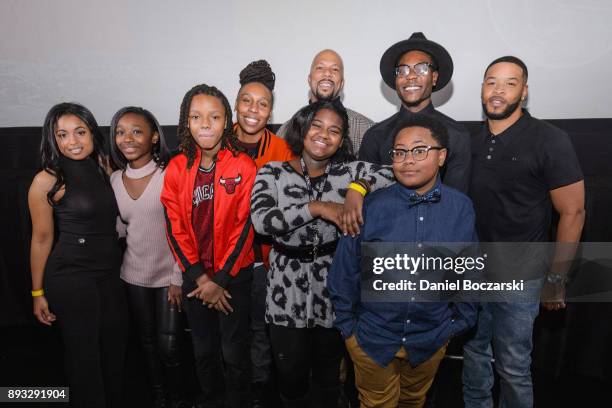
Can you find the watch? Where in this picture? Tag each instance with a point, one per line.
(555, 278)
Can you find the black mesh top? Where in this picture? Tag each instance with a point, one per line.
(88, 206)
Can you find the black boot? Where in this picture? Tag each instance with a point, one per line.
(175, 387)
(300, 402)
(326, 397)
(159, 397)
(258, 395)
(181, 404)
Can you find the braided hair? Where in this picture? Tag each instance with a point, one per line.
(258, 71)
(187, 144)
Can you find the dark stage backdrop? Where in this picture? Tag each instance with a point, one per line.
(577, 339)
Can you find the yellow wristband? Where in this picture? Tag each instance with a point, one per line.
(39, 292)
(358, 188)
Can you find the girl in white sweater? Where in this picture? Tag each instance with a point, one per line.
(152, 278)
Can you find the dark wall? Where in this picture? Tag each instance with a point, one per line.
(592, 139)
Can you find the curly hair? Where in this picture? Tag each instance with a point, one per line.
(49, 150)
(187, 144)
(161, 153)
(300, 123)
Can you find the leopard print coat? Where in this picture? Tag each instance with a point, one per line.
(297, 296)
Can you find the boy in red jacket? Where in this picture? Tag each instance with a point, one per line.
(206, 197)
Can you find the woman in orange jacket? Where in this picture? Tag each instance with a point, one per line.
(253, 110)
(206, 197)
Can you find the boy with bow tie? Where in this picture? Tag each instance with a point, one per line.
(397, 347)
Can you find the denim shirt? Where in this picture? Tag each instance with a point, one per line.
(382, 328)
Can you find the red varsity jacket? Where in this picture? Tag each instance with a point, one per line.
(232, 228)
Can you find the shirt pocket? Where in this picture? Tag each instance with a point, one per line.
(510, 167)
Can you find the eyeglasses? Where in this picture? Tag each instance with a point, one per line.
(419, 153)
(420, 69)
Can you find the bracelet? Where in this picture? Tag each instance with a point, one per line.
(364, 183)
(39, 292)
(359, 188)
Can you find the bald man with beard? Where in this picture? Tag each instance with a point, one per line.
(326, 80)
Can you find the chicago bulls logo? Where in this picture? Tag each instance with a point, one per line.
(230, 183)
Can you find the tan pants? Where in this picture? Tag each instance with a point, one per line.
(398, 384)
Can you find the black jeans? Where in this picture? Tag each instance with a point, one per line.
(92, 315)
(221, 345)
(159, 329)
(304, 354)
(261, 354)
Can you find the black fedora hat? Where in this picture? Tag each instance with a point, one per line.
(417, 41)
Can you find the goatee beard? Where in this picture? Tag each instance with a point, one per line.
(412, 104)
(505, 114)
(329, 97)
(333, 95)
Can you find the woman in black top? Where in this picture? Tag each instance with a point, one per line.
(80, 274)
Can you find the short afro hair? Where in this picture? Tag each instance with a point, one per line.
(437, 128)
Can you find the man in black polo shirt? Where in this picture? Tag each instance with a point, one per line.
(415, 68)
(521, 168)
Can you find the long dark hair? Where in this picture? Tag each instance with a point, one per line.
(161, 153)
(302, 120)
(187, 145)
(49, 151)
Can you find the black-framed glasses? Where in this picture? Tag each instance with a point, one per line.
(420, 69)
(419, 153)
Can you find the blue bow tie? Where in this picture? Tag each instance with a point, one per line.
(432, 197)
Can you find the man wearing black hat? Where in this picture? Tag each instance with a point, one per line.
(415, 68)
